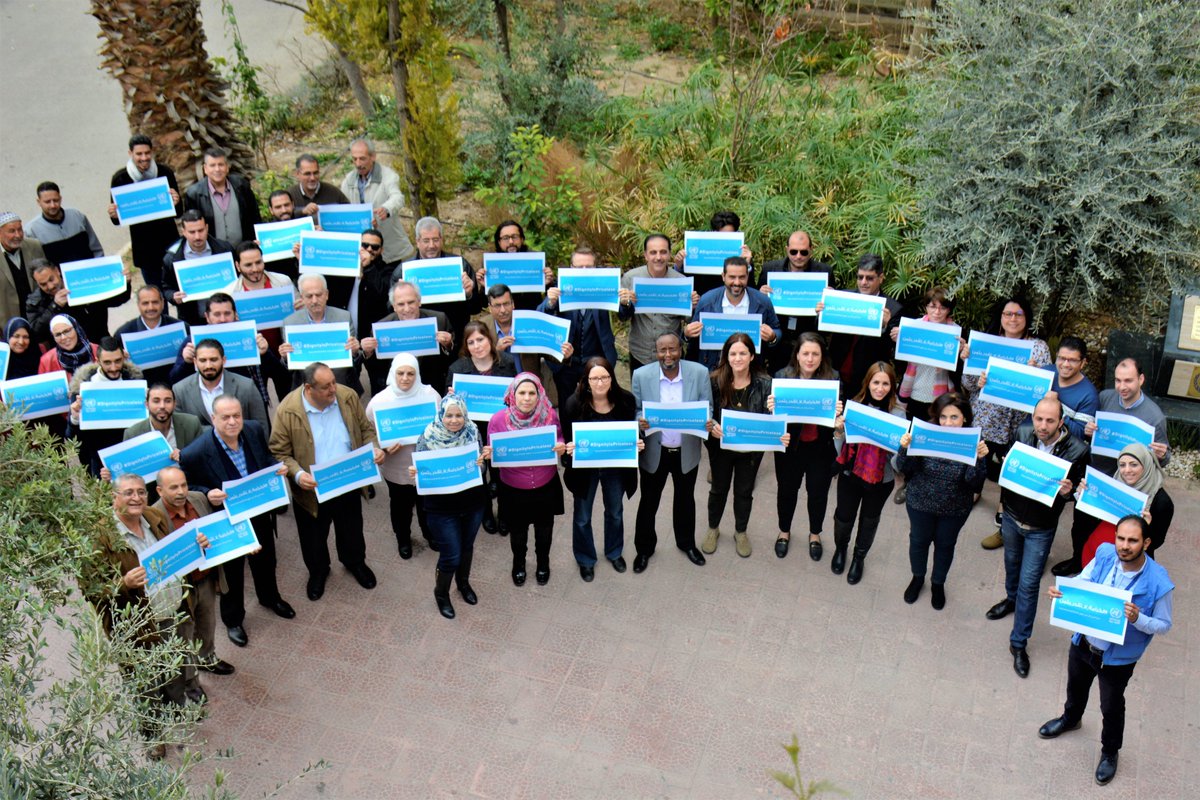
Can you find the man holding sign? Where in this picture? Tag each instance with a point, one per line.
(1123, 566)
(591, 332)
(196, 243)
(798, 259)
(150, 239)
(110, 367)
(645, 327)
(733, 298)
(852, 354)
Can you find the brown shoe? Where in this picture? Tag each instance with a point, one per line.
(741, 543)
(709, 545)
(993, 542)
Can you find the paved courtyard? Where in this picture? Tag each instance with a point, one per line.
(683, 682)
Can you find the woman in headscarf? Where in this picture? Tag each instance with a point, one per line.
(71, 347)
(404, 384)
(453, 518)
(23, 354)
(529, 495)
(1137, 467)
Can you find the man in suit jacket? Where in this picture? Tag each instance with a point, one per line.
(197, 242)
(852, 354)
(314, 294)
(590, 335)
(406, 305)
(150, 316)
(195, 393)
(16, 273)
(225, 200)
(735, 297)
(233, 449)
(179, 428)
(798, 259)
(315, 424)
(669, 453)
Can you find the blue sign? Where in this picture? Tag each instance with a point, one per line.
(535, 332)
(483, 394)
(663, 296)
(111, 404)
(806, 400)
(705, 251)
(4, 356)
(417, 337)
(346, 473)
(1091, 608)
(983, 346)
(155, 348)
(37, 396)
(240, 340)
(402, 421)
(531, 447)
(439, 280)
(1014, 385)
(199, 278)
(170, 557)
(867, 425)
(255, 494)
(1109, 499)
(226, 540)
(1031, 473)
(93, 279)
(143, 201)
(520, 272)
(329, 253)
(267, 308)
(323, 341)
(746, 432)
(930, 343)
(952, 444)
(719, 327)
(690, 418)
(797, 293)
(851, 312)
(589, 288)
(142, 455)
(352, 218)
(277, 239)
(605, 444)
(1115, 430)
(447, 471)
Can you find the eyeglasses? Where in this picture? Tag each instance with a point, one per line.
(64, 334)
(1068, 360)
(511, 237)
(601, 379)
(133, 493)
(374, 248)
(1012, 314)
(797, 252)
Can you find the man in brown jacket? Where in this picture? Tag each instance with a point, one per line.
(317, 423)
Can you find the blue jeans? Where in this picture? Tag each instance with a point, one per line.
(583, 542)
(455, 535)
(940, 531)
(1025, 554)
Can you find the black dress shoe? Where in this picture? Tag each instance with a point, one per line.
(1001, 609)
(1020, 661)
(489, 523)
(542, 576)
(362, 573)
(695, 556)
(500, 526)
(518, 575)
(914, 589)
(640, 563)
(370, 492)
(1057, 727)
(1066, 569)
(838, 563)
(854, 573)
(282, 608)
(618, 563)
(587, 573)
(196, 695)
(217, 667)
(406, 551)
(1106, 770)
(237, 635)
(815, 550)
(316, 585)
(781, 547)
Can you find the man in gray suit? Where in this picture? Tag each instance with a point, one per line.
(314, 293)
(669, 453)
(195, 393)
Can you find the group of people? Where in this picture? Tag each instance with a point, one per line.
(222, 423)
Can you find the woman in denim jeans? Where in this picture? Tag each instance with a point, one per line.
(598, 399)
(940, 495)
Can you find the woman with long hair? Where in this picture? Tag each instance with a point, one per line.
(529, 495)
(940, 495)
(739, 383)
(1137, 467)
(867, 477)
(810, 453)
(598, 398)
(23, 354)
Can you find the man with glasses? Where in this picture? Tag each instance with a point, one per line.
(799, 259)
(591, 332)
(850, 353)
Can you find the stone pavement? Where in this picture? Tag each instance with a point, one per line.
(683, 682)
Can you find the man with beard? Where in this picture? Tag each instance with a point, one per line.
(51, 298)
(148, 240)
(65, 233)
(196, 393)
(109, 366)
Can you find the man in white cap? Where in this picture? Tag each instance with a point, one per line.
(16, 273)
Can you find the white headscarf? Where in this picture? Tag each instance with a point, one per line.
(419, 390)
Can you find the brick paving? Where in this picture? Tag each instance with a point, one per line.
(683, 682)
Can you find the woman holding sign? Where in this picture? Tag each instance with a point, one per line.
(404, 384)
(867, 478)
(940, 496)
(1137, 467)
(810, 453)
(453, 518)
(529, 495)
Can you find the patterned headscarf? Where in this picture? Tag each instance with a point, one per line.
(542, 413)
(1152, 475)
(438, 437)
(72, 360)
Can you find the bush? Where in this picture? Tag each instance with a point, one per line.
(667, 35)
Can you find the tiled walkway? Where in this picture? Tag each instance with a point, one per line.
(683, 682)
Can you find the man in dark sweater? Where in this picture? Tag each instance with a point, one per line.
(850, 353)
(148, 240)
(50, 298)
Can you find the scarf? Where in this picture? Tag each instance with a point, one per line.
(1152, 475)
(418, 389)
(941, 378)
(868, 461)
(72, 360)
(438, 437)
(139, 176)
(542, 412)
(21, 365)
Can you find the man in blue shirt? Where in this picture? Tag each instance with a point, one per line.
(735, 297)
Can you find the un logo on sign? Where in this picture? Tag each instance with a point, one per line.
(273, 484)
(1114, 615)
(90, 404)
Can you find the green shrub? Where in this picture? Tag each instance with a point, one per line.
(667, 35)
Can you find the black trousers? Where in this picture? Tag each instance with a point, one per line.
(403, 500)
(852, 492)
(803, 461)
(344, 513)
(683, 508)
(1083, 667)
(739, 470)
(262, 568)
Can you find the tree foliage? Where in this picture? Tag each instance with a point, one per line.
(1063, 145)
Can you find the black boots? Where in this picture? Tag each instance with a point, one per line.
(854, 574)
(462, 577)
(441, 593)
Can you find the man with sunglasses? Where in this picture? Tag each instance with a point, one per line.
(799, 259)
